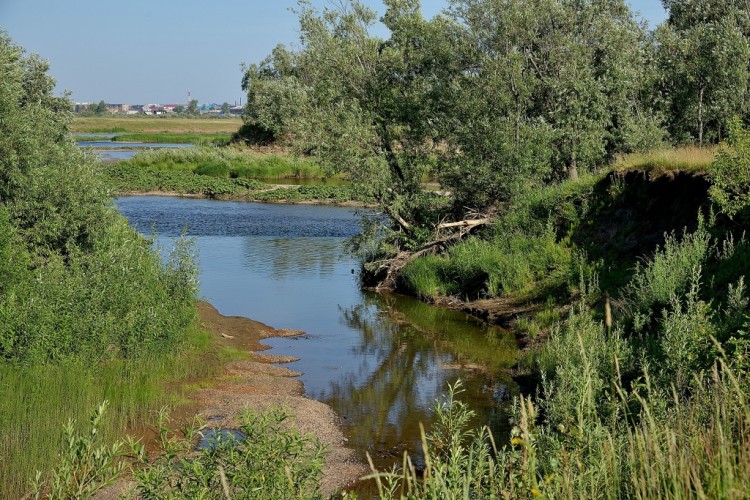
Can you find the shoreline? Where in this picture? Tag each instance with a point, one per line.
(258, 382)
(201, 196)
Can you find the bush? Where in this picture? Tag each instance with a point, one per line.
(668, 274)
(730, 172)
(272, 461)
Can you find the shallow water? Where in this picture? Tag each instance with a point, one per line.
(379, 361)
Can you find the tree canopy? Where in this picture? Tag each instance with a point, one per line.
(490, 98)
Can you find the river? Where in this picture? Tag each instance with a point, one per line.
(379, 360)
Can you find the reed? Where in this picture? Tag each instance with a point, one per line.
(661, 161)
(38, 400)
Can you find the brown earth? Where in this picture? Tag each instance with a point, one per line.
(257, 383)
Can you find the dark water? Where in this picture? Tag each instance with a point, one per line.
(380, 361)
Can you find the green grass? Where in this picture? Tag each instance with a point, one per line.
(509, 263)
(39, 399)
(155, 124)
(699, 448)
(125, 177)
(184, 138)
(660, 161)
(229, 163)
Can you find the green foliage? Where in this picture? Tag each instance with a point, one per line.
(86, 466)
(668, 274)
(702, 78)
(226, 162)
(198, 139)
(602, 440)
(509, 263)
(38, 400)
(730, 172)
(272, 461)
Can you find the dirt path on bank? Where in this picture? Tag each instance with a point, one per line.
(258, 383)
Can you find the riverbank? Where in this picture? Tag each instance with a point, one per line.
(259, 383)
(256, 382)
(277, 198)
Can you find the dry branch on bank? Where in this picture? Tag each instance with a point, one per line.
(392, 267)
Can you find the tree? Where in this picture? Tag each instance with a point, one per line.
(100, 108)
(702, 59)
(192, 107)
(555, 83)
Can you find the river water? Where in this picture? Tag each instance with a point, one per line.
(379, 361)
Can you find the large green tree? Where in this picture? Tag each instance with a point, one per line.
(702, 59)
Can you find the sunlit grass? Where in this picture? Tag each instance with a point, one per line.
(175, 138)
(38, 400)
(660, 161)
(154, 124)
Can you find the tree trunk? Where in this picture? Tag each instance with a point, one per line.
(573, 168)
(700, 118)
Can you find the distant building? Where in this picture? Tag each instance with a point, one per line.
(118, 108)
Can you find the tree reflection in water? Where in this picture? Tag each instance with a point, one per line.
(409, 352)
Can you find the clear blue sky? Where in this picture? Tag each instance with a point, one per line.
(141, 51)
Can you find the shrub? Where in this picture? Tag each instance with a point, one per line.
(272, 461)
(730, 172)
(666, 275)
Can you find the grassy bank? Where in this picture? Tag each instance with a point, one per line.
(154, 124)
(638, 343)
(38, 400)
(228, 163)
(88, 308)
(660, 161)
(224, 174)
(205, 139)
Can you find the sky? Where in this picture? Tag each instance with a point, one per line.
(156, 51)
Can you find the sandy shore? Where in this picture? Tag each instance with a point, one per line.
(258, 383)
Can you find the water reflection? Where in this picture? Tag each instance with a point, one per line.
(409, 352)
(379, 360)
(298, 258)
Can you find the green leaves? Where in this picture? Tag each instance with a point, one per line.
(730, 172)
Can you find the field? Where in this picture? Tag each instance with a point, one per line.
(154, 124)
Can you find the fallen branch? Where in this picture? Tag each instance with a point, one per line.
(393, 266)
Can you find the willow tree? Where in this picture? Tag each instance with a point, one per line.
(703, 54)
(558, 83)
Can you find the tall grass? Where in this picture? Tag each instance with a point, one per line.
(687, 447)
(39, 399)
(660, 161)
(509, 263)
(227, 162)
(199, 139)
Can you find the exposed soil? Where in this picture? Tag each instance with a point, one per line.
(258, 383)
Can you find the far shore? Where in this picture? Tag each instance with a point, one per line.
(175, 194)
